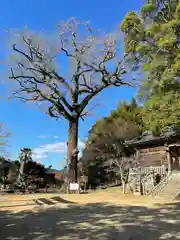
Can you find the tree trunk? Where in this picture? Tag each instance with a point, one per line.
(123, 181)
(124, 187)
(72, 148)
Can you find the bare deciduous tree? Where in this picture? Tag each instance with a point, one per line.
(91, 57)
(121, 164)
(117, 156)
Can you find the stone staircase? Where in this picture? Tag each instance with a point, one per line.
(168, 188)
(147, 183)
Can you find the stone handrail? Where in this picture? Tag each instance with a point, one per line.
(159, 187)
(146, 170)
(147, 183)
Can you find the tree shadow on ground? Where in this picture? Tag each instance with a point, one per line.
(19, 205)
(93, 221)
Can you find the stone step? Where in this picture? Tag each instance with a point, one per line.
(171, 190)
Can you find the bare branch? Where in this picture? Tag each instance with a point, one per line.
(91, 75)
(4, 135)
(95, 65)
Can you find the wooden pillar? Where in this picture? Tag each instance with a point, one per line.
(169, 160)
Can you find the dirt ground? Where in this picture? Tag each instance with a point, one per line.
(104, 215)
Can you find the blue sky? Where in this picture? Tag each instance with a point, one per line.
(30, 127)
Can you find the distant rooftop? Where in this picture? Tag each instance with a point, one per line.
(53, 171)
(148, 137)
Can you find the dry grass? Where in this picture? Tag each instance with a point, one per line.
(104, 215)
(113, 196)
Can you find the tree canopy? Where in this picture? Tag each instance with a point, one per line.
(152, 43)
(125, 117)
(160, 111)
(106, 148)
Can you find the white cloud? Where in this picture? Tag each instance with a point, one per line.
(81, 144)
(56, 137)
(81, 147)
(42, 151)
(39, 156)
(42, 136)
(58, 147)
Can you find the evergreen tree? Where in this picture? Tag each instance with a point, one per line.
(152, 43)
(105, 149)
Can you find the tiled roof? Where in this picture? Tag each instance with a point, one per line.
(148, 137)
(53, 171)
